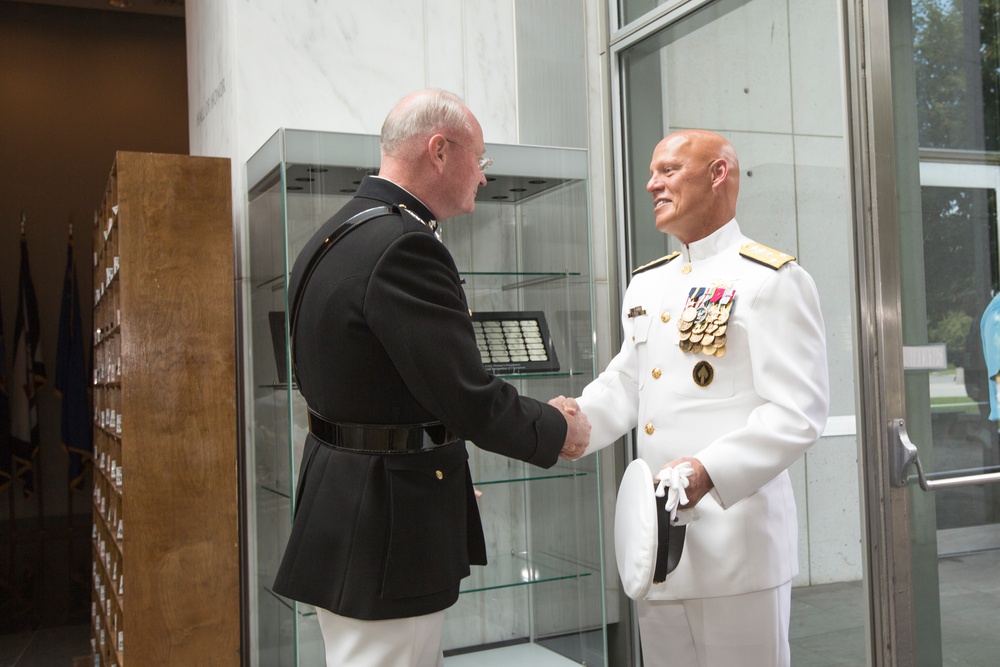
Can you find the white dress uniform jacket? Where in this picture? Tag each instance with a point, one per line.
(766, 404)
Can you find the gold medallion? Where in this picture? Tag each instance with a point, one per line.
(703, 374)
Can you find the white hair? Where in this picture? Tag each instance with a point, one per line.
(420, 115)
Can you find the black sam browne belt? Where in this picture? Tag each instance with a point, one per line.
(378, 439)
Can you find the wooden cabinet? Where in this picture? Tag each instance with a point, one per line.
(166, 582)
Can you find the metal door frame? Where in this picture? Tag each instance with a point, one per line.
(878, 326)
(880, 403)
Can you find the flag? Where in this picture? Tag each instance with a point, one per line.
(71, 378)
(5, 442)
(28, 373)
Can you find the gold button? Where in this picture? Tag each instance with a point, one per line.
(649, 428)
(656, 373)
(439, 474)
(665, 317)
(633, 337)
(686, 269)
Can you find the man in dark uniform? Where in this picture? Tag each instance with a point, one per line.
(386, 523)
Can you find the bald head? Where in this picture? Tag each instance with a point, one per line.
(430, 145)
(694, 181)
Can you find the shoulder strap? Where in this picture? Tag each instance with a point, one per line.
(764, 255)
(295, 290)
(656, 262)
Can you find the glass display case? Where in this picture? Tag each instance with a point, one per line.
(524, 255)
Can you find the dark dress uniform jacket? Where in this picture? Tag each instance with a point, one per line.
(384, 337)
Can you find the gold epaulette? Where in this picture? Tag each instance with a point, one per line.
(656, 262)
(764, 255)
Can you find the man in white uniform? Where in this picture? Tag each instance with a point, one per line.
(723, 366)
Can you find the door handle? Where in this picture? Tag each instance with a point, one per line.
(905, 454)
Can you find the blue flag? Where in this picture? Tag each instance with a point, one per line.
(28, 374)
(71, 379)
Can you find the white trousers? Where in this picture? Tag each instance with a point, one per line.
(397, 642)
(749, 630)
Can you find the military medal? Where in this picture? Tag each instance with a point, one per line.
(702, 324)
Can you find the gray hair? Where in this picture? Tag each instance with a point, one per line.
(421, 114)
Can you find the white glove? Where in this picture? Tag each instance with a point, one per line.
(672, 482)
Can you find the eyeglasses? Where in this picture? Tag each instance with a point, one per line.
(484, 162)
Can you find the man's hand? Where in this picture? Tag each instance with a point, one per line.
(577, 427)
(699, 483)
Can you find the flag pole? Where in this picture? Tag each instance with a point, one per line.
(69, 456)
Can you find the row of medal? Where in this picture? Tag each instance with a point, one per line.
(510, 340)
(703, 322)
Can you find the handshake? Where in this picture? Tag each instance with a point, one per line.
(577, 427)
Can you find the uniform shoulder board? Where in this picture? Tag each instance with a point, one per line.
(764, 255)
(656, 262)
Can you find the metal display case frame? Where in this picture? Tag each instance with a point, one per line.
(526, 248)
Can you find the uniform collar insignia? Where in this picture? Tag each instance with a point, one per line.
(431, 224)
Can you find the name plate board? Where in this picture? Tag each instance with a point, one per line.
(514, 342)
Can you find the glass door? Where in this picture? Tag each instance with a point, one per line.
(958, 227)
(768, 75)
(930, 100)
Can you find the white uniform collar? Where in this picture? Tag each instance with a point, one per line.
(724, 237)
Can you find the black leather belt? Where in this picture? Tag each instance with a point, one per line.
(372, 439)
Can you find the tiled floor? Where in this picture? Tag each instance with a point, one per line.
(827, 627)
(45, 647)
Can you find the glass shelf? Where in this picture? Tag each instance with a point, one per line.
(539, 476)
(503, 571)
(276, 491)
(303, 610)
(548, 374)
(552, 274)
(520, 569)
